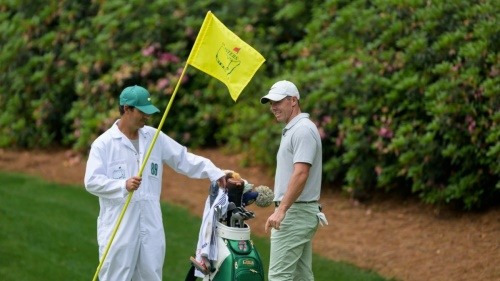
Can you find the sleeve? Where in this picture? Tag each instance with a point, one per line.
(194, 166)
(96, 180)
(304, 146)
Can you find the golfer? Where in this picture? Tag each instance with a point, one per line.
(297, 187)
(138, 249)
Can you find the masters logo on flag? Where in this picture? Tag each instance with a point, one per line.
(222, 54)
(228, 59)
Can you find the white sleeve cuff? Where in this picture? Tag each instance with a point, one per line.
(215, 176)
(124, 188)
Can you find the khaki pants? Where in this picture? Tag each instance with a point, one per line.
(291, 247)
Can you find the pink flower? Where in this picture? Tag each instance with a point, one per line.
(322, 133)
(471, 123)
(189, 32)
(340, 139)
(165, 58)
(148, 51)
(185, 78)
(385, 132)
(162, 83)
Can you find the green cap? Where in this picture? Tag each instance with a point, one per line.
(138, 97)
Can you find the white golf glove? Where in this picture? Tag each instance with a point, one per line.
(322, 219)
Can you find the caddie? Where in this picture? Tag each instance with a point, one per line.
(138, 249)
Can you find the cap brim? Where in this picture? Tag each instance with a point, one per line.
(148, 109)
(273, 97)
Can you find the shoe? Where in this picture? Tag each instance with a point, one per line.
(200, 266)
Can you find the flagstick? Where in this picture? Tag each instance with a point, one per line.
(146, 157)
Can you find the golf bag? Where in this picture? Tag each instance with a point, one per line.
(237, 257)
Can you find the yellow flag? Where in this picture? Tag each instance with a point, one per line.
(222, 54)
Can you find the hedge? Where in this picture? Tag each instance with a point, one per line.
(405, 93)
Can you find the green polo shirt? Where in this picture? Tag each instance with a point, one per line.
(300, 142)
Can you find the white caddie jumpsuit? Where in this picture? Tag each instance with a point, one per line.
(138, 249)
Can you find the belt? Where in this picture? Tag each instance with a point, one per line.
(277, 203)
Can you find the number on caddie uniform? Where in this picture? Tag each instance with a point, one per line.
(154, 169)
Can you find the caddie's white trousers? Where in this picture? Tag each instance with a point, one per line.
(138, 249)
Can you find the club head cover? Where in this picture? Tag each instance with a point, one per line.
(235, 191)
(266, 196)
(249, 197)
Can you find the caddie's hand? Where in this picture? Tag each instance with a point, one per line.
(222, 182)
(274, 220)
(133, 183)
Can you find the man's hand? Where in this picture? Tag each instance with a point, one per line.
(275, 219)
(133, 183)
(222, 182)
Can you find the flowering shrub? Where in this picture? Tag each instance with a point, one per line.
(413, 90)
(405, 93)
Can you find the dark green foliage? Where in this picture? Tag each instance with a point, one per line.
(406, 93)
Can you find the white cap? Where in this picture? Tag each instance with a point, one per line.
(280, 90)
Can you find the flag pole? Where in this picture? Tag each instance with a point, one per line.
(146, 157)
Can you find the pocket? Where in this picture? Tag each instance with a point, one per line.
(105, 223)
(117, 170)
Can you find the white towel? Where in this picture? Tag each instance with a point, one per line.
(207, 240)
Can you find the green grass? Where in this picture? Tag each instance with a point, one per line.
(48, 232)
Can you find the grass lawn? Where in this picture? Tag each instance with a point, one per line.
(48, 232)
